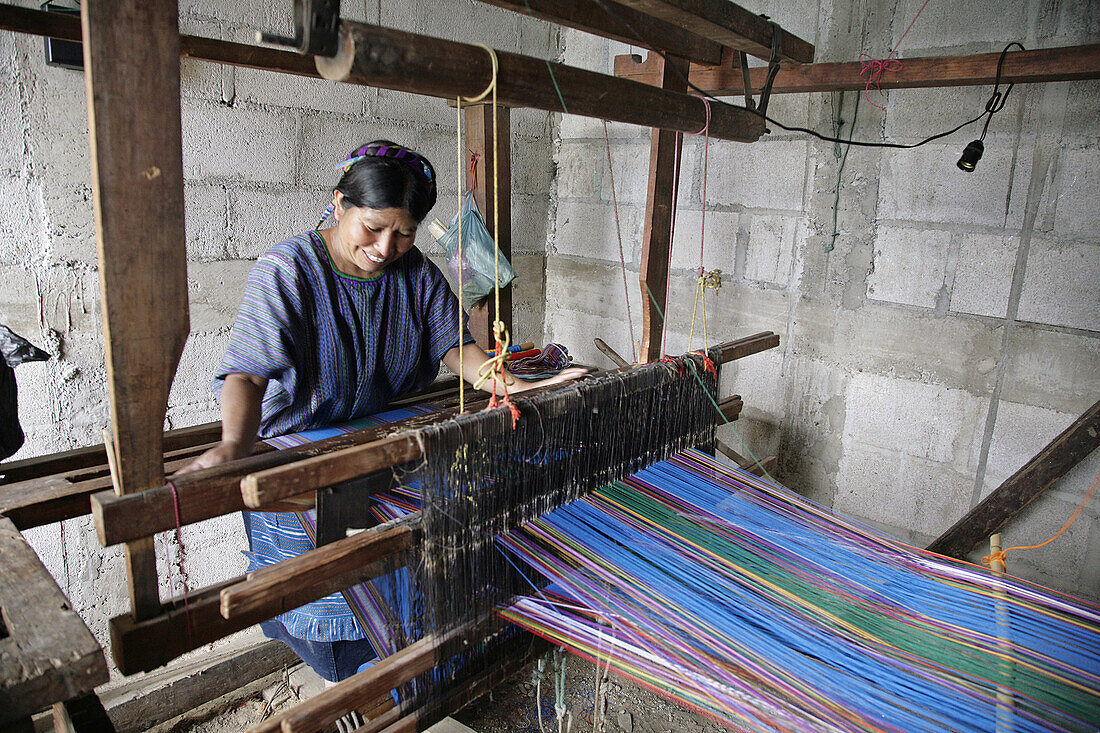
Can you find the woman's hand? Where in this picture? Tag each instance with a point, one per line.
(565, 375)
(223, 452)
(241, 398)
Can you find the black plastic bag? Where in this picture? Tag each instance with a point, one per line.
(14, 350)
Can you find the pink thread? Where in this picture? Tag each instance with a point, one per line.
(179, 560)
(619, 234)
(874, 68)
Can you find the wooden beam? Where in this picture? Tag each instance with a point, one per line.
(611, 354)
(619, 23)
(1070, 63)
(216, 491)
(319, 572)
(478, 127)
(84, 714)
(739, 349)
(47, 654)
(393, 59)
(1023, 487)
(730, 407)
(727, 24)
(132, 73)
(660, 202)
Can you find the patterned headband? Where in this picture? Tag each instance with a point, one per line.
(413, 160)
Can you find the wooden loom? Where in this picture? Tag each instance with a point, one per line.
(136, 152)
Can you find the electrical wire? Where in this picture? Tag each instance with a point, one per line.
(814, 133)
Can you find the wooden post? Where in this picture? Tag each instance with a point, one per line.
(479, 139)
(131, 58)
(660, 200)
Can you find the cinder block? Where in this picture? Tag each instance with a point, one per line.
(438, 146)
(926, 421)
(588, 230)
(69, 298)
(909, 265)
(719, 240)
(268, 88)
(983, 275)
(1021, 431)
(914, 114)
(578, 177)
(262, 218)
(594, 289)
(19, 300)
(769, 256)
(924, 184)
(919, 497)
(215, 290)
(207, 81)
(1077, 183)
(986, 22)
(202, 354)
(234, 143)
(456, 21)
(327, 140)
(585, 51)
(530, 219)
(251, 13)
(767, 175)
(21, 226)
(532, 166)
(1062, 284)
(1052, 369)
(206, 221)
(69, 219)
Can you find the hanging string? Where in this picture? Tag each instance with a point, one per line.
(179, 560)
(619, 234)
(705, 280)
(1000, 555)
(874, 68)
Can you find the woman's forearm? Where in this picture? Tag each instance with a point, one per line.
(242, 395)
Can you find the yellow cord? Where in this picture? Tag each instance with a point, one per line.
(711, 280)
(494, 367)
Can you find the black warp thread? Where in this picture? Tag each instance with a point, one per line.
(481, 478)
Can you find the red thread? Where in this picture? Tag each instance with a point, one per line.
(473, 170)
(180, 558)
(874, 68)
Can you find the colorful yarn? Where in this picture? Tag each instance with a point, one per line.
(768, 612)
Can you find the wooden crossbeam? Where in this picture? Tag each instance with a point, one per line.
(1068, 63)
(728, 24)
(620, 23)
(393, 59)
(1023, 487)
(47, 654)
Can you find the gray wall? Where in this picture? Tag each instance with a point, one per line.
(258, 155)
(954, 329)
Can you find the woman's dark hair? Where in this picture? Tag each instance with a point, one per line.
(383, 175)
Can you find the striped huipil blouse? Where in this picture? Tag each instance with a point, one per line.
(333, 348)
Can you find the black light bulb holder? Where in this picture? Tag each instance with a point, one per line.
(971, 155)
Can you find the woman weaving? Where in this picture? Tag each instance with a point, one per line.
(335, 324)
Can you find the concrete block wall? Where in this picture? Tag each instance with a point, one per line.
(259, 149)
(951, 331)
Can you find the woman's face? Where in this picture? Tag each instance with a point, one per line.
(365, 241)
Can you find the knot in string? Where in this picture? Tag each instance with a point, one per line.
(998, 556)
(873, 69)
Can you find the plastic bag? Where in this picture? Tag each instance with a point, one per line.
(14, 350)
(478, 250)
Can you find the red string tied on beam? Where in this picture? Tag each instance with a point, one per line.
(873, 69)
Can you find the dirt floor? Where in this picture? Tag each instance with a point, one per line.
(623, 708)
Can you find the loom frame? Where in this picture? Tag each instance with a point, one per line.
(58, 487)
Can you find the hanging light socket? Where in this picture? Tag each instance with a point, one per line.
(971, 155)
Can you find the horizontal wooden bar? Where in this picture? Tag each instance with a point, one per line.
(394, 59)
(216, 491)
(95, 457)
(181, 626)
(319, 712)
(731, 407)
(739, 349)
(317, 573)
(1023, 487)
(619, 23)
(1069, 63)
(728, 24)
(41, 501)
